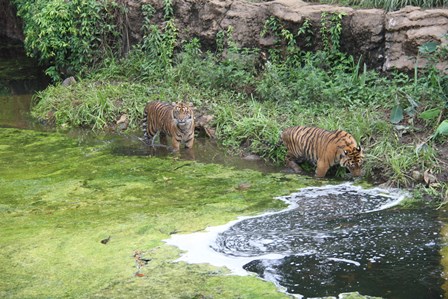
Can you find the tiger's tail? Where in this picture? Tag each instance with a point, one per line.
(144, 125)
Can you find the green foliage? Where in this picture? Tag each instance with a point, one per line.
(397, 4)
(442, 129)
(70, 36)
(80, 107)
(437, 81)
(330, 30)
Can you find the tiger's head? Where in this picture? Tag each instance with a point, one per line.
(183, 116)
(352, 158)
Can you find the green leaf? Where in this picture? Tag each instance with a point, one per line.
(430, 114)
(396, 115)
(428, 48)
(442, 129)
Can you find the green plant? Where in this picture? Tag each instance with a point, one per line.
(286, 44)
(69, 37)
(437, 80)
(331, 30)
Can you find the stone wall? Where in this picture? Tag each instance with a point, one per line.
(385, 41)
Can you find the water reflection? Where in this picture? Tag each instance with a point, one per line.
(20, 76)
(204, 150)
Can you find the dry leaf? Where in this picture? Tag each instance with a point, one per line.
(429, 178)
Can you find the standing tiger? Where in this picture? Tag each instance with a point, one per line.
(322, 147)
(175, 120)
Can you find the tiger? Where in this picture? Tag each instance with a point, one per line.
(322, 147)
(175, 120)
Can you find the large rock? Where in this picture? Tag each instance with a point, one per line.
(408, 29)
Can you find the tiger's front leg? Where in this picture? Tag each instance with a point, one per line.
(189, 143)
(322, 168)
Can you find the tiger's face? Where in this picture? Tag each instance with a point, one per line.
(182, 114)
(352, 159)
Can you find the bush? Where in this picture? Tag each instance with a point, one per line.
(71, 37)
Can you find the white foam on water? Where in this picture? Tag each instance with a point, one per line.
(198, 246)
(344, 261)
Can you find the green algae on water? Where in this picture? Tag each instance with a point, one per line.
(59, 199)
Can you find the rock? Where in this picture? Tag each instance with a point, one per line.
(429, 178)
(203, 123)
(10, 24)
(244, 186)
(251, 157)
(408, 29)
(417, 176)
(69, 81)
(123, 122)
(203, 120)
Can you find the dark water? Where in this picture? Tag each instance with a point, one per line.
(20, 77)
(336, 240)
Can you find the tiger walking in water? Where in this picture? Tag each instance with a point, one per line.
(323, 148)
(175, 120)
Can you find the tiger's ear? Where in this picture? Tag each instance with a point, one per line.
(359, 148)
(173, 103)
(190, 104)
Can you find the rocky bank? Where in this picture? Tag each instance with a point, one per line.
(384, 40)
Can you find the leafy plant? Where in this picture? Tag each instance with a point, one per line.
(69, 37)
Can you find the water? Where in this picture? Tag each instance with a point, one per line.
(20, 77)
(333, 240)
(205, 151)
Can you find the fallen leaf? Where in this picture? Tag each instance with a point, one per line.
(429, 178)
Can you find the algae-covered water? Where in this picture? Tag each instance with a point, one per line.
(59, 199)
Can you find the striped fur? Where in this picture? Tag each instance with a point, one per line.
(175, 120)
(323, 148)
